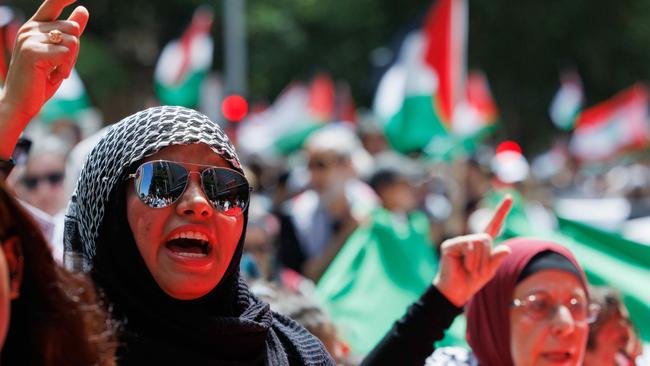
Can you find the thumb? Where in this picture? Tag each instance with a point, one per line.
(497, 257)
(80, 15)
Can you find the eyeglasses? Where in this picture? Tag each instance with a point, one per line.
(160, 183)
(539, 306)
(32, 181)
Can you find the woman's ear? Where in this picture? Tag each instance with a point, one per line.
(15, 261)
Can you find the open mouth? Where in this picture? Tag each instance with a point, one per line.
(558, 357)
(190, 245)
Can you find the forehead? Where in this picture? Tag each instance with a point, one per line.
(322, 154)
(45, 162)
(194, 153)
(553, 281)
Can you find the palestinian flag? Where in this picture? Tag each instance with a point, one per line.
(295, 114)
(617, 125)
(477, 113)
(417, 96)
(184, 63)
(567, 102)
(68, 102)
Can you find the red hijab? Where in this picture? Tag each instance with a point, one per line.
(488, 312)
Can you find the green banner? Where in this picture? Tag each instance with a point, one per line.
(383, 267)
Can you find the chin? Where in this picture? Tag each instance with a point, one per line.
(187, 289)
(185, 294)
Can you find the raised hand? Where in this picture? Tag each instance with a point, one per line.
(38, 66)
(468, 262)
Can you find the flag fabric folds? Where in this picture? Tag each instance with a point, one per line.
(381, 269)
(297, 112)
(68, 102)
(477, 113)
(185, 62)
(567, 102)
(417, 96)
(612, 127)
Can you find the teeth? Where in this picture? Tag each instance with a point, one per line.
(191, 255)
(190, 235)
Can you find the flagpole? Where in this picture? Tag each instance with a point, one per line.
(235, 51)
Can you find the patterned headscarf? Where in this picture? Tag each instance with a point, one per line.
(226, 326)
(129, 141)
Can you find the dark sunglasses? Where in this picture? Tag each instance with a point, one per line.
(160, 183)
(32, 181)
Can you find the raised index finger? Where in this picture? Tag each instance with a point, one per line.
(50, 10)
(499, 217)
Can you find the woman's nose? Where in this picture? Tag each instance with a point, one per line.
(562, 322)
(194, 202)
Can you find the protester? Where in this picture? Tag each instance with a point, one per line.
(54, 317)
(327, 213)
(389, 256)
(163, 245)
(40, 182)
(611, 332)
(41, 185)
(533, 307)
(394, 190)
(260, 259)
(301, 308)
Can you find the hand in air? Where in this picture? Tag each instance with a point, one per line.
(468, 262)
(44, 54)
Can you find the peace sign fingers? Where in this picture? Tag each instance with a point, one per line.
(44, 54)
(499, 218)
(468, 262)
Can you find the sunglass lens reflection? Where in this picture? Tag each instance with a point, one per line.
(227, 190)
(161, 183)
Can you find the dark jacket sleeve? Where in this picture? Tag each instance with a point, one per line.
(410, 340)
(289, 251)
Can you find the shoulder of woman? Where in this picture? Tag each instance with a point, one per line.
(451, 356)
(300, 344)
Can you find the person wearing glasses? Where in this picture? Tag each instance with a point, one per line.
(613, 339)
(40, 182)
(324, 216)
(157, 220)
(532, 308)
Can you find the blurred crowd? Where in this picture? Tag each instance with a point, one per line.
(306, 205)
(372, 251)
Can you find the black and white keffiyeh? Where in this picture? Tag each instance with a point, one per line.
(228, 326)
(451, 356)
(128, 141)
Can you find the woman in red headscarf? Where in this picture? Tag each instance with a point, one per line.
(526, 302)
(535, 311)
